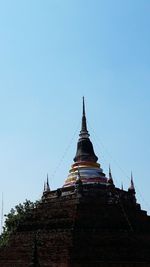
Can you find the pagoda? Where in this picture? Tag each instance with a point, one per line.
(85, 160)
(88, 222)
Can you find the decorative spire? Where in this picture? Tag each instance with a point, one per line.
(44, 187)
(132, 183)
(110, 175)
(85, 169)
(132, 187)
(110, 180)
(47, 184)
(84, 132)
(122, 186)
(83, 107)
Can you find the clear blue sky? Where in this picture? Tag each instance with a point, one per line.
(53, 52)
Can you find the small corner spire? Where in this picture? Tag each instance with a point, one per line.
(47, 184)
(132, 187)
(44, 187)
(110, 180)
(110, 175)
(132, 182)
(84, 132)
(122, 186)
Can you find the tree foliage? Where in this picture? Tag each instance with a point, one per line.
(14, 218)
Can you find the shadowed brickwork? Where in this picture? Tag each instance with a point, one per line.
(98, 227)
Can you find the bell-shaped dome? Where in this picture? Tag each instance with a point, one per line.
(85, 151)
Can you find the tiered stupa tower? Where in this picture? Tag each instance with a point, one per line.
(88, 222)
(85, 159)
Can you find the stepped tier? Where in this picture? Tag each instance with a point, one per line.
(90, 172)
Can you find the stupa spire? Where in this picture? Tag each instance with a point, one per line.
(84, 132)
(85, 168)
(83, 107)
(85, 151)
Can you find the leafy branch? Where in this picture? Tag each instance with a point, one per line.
(15, 218)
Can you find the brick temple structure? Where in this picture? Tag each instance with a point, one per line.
(86, 223)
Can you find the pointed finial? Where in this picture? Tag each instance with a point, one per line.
(122, 186)
(47, 184)
(110, 180)
(84, 132)
(83, 107)
(132, 187)
(44, 187)
(132, 183)
(110, 175)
